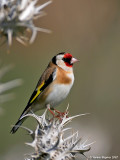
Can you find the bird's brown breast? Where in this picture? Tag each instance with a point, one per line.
(62, 76)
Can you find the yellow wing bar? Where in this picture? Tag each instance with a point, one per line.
(38, 92)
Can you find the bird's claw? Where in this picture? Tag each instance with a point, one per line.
(59, 115)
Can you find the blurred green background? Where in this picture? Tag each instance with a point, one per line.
(90, 31)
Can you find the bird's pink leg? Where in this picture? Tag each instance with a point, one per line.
(60, 114)
(51, 111)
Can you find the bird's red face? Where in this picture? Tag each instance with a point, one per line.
(64, 60)
(69, 60)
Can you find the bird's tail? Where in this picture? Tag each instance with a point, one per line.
(17, 125)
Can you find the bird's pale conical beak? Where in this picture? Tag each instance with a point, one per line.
(74, 60)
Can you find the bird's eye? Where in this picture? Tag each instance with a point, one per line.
(68, 60)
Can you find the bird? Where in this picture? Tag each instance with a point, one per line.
(53, 86)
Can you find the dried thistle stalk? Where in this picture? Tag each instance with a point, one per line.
(7, 86)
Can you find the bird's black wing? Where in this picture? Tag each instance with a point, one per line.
(45, 80)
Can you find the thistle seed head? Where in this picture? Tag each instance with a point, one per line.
(49, 140)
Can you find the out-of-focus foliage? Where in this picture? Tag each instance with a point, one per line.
(16, 18)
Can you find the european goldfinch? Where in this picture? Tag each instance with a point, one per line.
(53, 87)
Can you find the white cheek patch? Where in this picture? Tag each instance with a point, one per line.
(62, 65)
